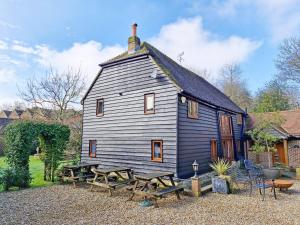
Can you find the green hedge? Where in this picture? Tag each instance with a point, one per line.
(20, 138)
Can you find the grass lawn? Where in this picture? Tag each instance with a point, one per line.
(36, 167)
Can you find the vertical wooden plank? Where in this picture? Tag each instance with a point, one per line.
(285, 146)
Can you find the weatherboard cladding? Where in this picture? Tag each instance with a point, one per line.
(188, 81)
(124, 133)
(194, 136)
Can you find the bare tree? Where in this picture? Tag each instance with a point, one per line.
(288, 66)
(56, 90)
(288, 60)
(232, 84)
(204, 73)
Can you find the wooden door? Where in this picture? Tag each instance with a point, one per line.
(228, 151)
(280, 153)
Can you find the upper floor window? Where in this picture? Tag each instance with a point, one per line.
(92, 148)
(157, 150)
(239, 119)
(100, 107)
(192, 109)
(149, 103)
(226, 126)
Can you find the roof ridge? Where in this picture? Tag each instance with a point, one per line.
(190, 73)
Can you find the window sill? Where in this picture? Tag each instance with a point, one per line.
(157, 160)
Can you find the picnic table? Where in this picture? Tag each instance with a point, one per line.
(146, 185)
(111, 178)
(74, 173)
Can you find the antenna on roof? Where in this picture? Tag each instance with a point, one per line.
(180, 58)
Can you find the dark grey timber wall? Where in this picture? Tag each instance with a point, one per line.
(194, 136)
(124, 133)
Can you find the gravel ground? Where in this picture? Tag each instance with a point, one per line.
(62, 204)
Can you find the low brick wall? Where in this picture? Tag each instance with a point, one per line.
(253, 156)
(294, 157)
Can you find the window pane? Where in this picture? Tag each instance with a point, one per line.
(93, 147)
(100, 107)
(157, 153)
(150, 103)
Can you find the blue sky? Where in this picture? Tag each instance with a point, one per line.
(37, 34)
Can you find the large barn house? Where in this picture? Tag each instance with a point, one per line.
(146, 112)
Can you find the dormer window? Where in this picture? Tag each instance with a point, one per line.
(192, 109)
(100, 107)
(149, 103)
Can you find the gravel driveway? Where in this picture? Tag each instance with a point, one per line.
(62, 204)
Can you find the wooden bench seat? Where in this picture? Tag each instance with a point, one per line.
(168, 190)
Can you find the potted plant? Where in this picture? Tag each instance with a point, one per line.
(220, 183)
(264, 146)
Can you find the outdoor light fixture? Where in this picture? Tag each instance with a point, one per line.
(183, 99)
(195, 167)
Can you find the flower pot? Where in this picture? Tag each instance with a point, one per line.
(272, 173)
(220, 185)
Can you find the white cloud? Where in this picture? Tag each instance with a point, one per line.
(23, 49)
(85, 56)
(3, 45)
(281, 17)
(202, 49)
(7, 76)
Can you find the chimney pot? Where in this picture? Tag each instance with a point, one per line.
(133, 41)
(134, 26)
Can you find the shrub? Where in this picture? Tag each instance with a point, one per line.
(221, 166)
(10, 177)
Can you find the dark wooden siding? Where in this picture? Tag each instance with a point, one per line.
(194, 136)
(124, 133)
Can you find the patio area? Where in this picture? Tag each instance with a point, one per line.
(63, 204)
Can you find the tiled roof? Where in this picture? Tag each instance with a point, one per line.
(290, 124)
(188, 81)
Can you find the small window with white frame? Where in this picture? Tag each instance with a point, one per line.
(149, 103)
(100, 107)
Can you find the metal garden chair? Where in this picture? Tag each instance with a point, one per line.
(239, 176)
(258, 179)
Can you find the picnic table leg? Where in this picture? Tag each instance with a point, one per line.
(106, 181)
(95, 179)
(72, 175)
(163, 183)
(133, 189)
(173, 184)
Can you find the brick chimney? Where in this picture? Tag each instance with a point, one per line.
(133, 41)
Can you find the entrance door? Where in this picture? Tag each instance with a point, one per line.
(228, 151)
(280, 153)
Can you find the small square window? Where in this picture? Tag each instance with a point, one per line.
(149, 103)
(239, 119)
(100, 107)
(92, 148)
(213, 149)
(192, 109)
(157, 150)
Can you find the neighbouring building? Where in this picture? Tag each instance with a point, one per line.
(146, 112)
(288, 133)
